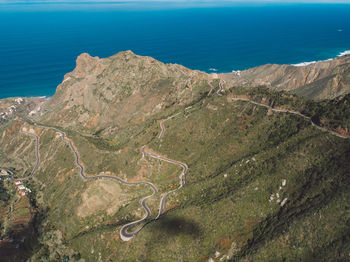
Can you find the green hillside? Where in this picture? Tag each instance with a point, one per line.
(263, 184)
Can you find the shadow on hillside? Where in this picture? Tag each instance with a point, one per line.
(167, 232)
(17, 245)
(176, 226)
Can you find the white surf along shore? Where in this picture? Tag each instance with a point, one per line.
(313, 62)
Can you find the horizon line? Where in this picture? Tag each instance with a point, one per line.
(174, 1)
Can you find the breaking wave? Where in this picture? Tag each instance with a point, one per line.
(347, 52)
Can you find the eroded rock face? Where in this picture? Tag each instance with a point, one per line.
(86, 65)
(113, 91)
(321, 80)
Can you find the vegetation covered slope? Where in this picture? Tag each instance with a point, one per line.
(262, 185)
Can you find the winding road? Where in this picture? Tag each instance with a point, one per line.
(162, 127)
(181, 177)
(36, 138)
(124, 233)
(36, 155)
(212, 88)
(220, 87)
(291, 112)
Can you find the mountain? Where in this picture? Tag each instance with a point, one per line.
(121, 89)
(320, 80)
(136, 160)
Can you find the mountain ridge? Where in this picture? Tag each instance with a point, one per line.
(263, 173)
(320, 80)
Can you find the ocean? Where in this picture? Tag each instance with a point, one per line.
(40, 42)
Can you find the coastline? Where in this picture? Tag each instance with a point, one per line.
(213, 70)
(210, 71)
(26, 97)
(344, 53)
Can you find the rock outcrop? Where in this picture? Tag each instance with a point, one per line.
(120, 89)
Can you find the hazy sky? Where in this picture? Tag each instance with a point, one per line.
(189, 1)
(178, 3)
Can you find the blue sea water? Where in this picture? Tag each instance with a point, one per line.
(40, 42)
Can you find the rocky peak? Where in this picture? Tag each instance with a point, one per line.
(85, 64)
(112, 91)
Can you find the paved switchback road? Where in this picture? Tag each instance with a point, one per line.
(220, 87)
(181, 177)
(294, 113)
(36, 138)
(124, 231)
(37, 156)
(124, 234)
(210, 83)
(162, 127)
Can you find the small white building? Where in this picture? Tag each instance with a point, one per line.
(21, 188)
(19, 100)
(27, 189)
(3, 173)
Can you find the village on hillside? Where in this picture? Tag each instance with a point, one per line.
(10, 110)
(5, 175)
